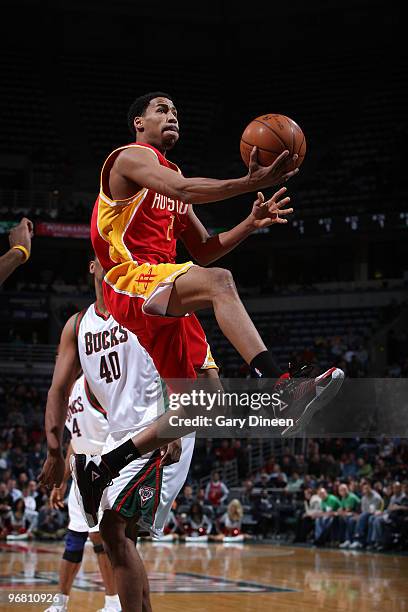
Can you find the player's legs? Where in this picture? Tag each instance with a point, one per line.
(128, 568)
(201, 288)
(104, 564)
(69, 567)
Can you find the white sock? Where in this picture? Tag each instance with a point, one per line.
(62, 600)
(112, 601)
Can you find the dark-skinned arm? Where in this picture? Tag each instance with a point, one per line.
(20, 236)
(140, 166)
(67, 369)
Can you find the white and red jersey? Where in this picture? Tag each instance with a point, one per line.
(120, 376)
(86, 422)
(143, 228)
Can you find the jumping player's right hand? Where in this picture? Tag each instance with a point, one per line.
(53, 471)
(262, 177)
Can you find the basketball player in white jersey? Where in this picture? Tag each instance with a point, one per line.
(119, 376)
(89, 429)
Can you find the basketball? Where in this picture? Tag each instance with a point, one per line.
(272, 134)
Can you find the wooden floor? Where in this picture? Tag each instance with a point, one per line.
(239, 577)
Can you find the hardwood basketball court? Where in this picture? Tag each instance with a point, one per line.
(218, 577)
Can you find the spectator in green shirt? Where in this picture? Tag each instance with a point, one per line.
(364, 469)
(349, 508)
(329, 506)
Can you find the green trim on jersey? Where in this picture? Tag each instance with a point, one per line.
(77, 321)
(92, 399)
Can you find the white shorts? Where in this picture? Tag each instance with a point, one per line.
(145, 491)
(76, 520)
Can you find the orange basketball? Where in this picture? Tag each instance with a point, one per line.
(272, 134)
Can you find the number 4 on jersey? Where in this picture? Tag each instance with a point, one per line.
(75, 428)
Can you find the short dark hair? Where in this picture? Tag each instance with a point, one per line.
(138, 107)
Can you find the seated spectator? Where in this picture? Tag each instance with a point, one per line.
(264, 514)
(349, 509)
(262, 480)
(364, 469)
(247, 495)
(196, 524)
(22, 522)
(307, 514)
(216, 492)
(171, 529)
(13, 490)
(277, 477)
(29, 500)
(323, 522)
(381, 523)
(295, 483)
(33, 491)
(18, 461)
(230, 523)
(36, 459)
(50, 523)
(371, 502)
(6, 504)
(186, 498)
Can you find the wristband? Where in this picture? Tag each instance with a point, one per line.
(25, 251)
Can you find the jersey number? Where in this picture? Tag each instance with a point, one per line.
(170, 227)
(75, 428)
(112, 372)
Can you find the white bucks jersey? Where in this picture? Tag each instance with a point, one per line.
(119, 374)
(86, 422)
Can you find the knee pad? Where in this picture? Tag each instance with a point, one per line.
(74, 546)
(98, 548)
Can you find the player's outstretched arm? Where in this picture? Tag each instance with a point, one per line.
(206, 249)
(20, 249)
(67, 369)
(58, 493)
(141, 167)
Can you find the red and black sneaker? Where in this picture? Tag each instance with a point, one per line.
(302, 394)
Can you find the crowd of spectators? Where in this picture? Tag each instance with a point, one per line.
(24, 508)
(347, 492)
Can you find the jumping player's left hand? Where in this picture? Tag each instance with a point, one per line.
(272, 211)
(170, 453)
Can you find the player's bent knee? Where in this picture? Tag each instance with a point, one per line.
(74, 546)
(221, 280)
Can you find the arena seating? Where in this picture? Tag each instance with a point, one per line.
(293, 332)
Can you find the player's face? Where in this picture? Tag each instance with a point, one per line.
(159, 124)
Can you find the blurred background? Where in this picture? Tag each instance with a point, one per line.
(329, 287)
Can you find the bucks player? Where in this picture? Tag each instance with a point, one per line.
(88, 426)
(119, 376)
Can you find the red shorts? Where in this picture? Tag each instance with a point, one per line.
(137, 297)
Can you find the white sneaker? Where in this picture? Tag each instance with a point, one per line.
(345, 544)
(109, 609)
(356, 546)
(62, 608)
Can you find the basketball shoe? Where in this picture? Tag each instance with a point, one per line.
(299, 398)
(91, 477)
(301, 394)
